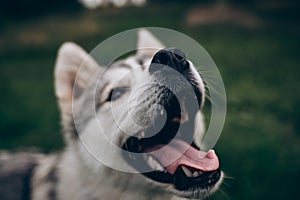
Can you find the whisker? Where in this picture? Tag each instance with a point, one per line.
(224, 194)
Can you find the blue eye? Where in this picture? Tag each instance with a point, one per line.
(116, 93)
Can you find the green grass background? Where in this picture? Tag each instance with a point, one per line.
(260, 144)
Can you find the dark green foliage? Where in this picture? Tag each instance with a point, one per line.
(260, 144)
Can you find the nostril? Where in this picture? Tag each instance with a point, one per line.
(178, 54)
(179, 57)
(170, 57)
(163, 58)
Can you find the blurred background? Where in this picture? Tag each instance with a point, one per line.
(254, 43)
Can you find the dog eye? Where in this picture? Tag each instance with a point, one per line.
(116, 93)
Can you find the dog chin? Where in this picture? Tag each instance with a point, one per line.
(197, 193)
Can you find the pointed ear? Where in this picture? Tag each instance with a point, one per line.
(72, 63)
(147, 44)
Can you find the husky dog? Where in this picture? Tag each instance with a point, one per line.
(166, 157)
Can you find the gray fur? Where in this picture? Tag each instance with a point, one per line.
(16, 170)
(74, 173)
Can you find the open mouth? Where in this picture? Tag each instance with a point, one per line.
(170, 155)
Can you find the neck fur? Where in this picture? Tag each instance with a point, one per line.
(80, 181)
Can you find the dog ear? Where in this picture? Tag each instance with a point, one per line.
(73, 69)
(147, 44)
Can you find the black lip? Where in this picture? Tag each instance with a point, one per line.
(204, 181)
(169, 131)
(180, 181)
(134, 147)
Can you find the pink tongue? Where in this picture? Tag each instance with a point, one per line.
(179, 153)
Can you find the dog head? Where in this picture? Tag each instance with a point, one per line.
(144, 110)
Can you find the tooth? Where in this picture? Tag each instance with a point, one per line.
(151, 162)
(142, 134)
(157, 165)
(187, 172)
(154, 164)
(195, 174)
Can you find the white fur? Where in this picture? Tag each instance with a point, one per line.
(80, 174)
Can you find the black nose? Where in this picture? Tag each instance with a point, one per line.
(171, 57)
